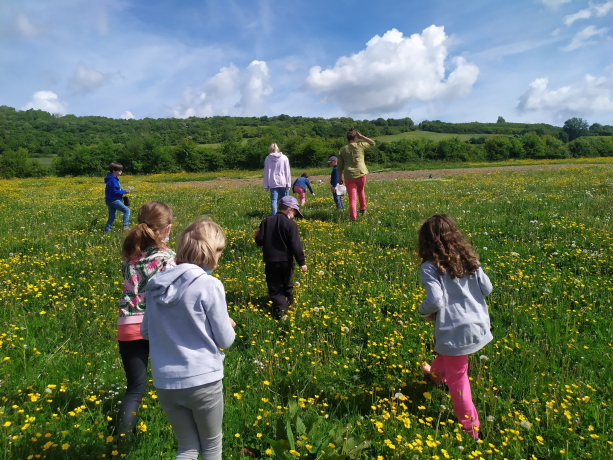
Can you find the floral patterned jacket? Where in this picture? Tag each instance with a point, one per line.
(136, 274)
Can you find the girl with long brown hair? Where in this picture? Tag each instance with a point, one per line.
(456, 287)
(144, 254)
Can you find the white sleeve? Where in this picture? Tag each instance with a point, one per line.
(435, 300)
(484, 282)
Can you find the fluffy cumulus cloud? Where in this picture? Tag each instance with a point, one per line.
(392, 71)
(255, 89)
(599, 10)
(86, 80)
(593, 94)
(229, 92)
(585, 37)
(47, 101)
(127, 115)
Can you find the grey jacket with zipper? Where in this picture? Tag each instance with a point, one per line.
(462, 321)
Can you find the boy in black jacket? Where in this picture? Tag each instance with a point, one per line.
(279, 236)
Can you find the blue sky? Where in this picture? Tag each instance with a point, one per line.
(527, 60)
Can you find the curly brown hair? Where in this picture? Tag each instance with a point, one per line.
(442, 243)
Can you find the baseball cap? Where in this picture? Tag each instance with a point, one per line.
(291, 202)
(331, 159)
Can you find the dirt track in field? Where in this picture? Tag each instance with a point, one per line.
(391, 175)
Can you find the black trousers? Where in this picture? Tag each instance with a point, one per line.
(280, 287)
(134, 354)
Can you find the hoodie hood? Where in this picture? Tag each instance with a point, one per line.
(169, 286)
(275, 156)
(109, 177)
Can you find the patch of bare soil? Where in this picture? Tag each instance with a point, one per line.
(387, 175)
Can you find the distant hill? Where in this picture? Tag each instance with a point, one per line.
(73, 145)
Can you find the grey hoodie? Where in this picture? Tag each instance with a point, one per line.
(462, 322)
(186, 323)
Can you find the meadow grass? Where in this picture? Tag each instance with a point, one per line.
(342, 375)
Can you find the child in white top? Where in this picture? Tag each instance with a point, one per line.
(187, 325)
(456, 287)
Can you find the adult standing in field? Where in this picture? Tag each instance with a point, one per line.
(277, 176)
(351, 164)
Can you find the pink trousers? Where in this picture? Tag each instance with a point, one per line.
(356, 186)
(300, 191)
(452, 371)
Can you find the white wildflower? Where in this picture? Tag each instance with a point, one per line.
(525, 424)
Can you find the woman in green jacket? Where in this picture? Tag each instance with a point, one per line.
(351, 164)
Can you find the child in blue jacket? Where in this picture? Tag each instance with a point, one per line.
(113, 195)
(338, 199)
(300, 186)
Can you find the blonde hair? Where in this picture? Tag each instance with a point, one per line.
(274, 148)
(200, 242)
(153, 218)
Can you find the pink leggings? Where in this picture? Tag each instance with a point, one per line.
(452, 371)
(356, 186)
(300, 191)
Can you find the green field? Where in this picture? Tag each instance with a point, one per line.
(45, 161)
(428, 135)
(342, 376)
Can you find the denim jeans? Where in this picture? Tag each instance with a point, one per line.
(115, 206)
(275, 194)
(338, 199)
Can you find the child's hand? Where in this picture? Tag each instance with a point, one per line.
(232, 323)
(429, 318)
(303, 268)
(127, 192)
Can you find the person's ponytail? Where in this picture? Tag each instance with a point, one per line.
(153, 218)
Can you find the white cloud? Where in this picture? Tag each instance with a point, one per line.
(583, 38)
(554, 3)
(392, 71)
(25, 27)
(228, 91)
(600, 10)
(127, 115)
(85, 80)
(211, 100)
(47, 101)
(593, 94)
(255, 89)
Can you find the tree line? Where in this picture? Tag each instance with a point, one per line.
(86, 145)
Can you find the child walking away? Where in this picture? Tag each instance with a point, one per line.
(113, 196)
(279, 236)
(144, 254)
(456, 287)
(300, 186)
(187, 324)
(277, 176)
(338, 199)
